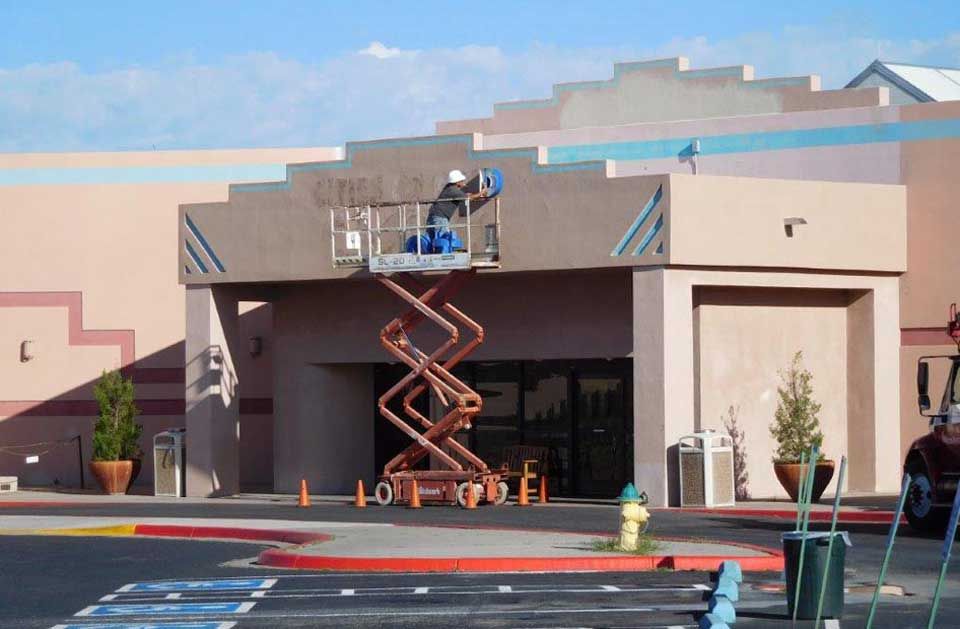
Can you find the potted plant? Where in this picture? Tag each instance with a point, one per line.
(116, 434)
(796, 427)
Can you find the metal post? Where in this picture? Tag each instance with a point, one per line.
(904, 488)
(833, 528)
(808, 494)
(469, 243)
(419, 252)
(333, 236)
(945, 557)
(803, 486)
(80, 458)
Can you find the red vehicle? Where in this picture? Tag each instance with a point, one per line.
(933, 460)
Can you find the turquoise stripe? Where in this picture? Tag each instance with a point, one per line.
(196, 259)
(649, 236)
(761, 141)
(203, 243)
(140, 174)
(467, 139)
(637, 222)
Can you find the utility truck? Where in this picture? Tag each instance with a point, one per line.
(933, 461)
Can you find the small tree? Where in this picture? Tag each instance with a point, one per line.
(741, 479)
(116, 434)
(796, 426)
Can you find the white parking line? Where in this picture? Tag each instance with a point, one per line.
(258, 594)
(421, 590)
(609, 588)
(108, 597)
(172, 595)
(347, 592)
(504, 589)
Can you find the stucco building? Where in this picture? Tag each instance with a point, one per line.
(669, 238)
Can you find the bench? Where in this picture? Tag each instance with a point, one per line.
(530, 462)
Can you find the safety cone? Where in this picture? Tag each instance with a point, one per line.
(542, 495)
(304, 500)
(471, 497)
(361, 499)
(523, 500)
(414, 495)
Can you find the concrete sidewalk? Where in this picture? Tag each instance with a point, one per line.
(352, 546)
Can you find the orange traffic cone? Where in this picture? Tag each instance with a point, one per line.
(542, 495)
(414, 495)
(471, 500)
(523, 500)
(304, 500)
(361, 499)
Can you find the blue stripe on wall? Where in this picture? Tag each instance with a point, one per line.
(763, 141)
(203, 243)
(638, 222)
(196, 259)
(141, 174)
(649, 236)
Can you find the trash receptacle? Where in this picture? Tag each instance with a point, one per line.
(814, 560)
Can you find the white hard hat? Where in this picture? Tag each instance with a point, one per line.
(455, 176)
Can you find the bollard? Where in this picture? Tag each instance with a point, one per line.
(731, 570)
(722, 607)
(712, 621)
(414, 495)
(304, 499)
(360, 500)
(729, 588)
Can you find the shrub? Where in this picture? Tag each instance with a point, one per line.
(796, 426)
(116, 434)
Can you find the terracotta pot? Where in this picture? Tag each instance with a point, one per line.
(790, 474)
(112, 476)
(137, 466)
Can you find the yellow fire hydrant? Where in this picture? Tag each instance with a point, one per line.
(633, 517)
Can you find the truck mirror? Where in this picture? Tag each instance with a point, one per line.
(923, 376)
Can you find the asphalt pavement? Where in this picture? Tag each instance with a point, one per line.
(47, 581)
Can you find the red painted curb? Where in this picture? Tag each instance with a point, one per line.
(283, 558)
(279, 558)
(850, 517)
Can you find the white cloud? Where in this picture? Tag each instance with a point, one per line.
(263, 99)
(380, 51)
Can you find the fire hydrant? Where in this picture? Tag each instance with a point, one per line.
(633, 516)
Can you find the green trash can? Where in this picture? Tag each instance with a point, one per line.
(814, 560)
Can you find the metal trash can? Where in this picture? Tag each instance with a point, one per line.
(814, 560)
(169, 461)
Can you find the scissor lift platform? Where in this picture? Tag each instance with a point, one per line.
(379, 237)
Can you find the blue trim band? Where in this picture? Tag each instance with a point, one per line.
(196, 259)
(763, 141)
(649, 236)
(637, 222)
(203, 243)
(140, 174)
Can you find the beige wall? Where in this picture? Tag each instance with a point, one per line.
(746, 337)
(666, 367)
(107, 244)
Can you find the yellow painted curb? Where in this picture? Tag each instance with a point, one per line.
(117, 530)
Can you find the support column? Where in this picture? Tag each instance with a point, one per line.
(212, 393)
(663, 379)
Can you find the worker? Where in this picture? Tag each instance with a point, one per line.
(450, 201)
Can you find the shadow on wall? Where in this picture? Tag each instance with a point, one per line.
(160, 399)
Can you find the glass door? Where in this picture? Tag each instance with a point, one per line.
(604, 435)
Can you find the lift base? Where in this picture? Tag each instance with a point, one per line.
(446, 487)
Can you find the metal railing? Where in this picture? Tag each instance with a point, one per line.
(363, 234)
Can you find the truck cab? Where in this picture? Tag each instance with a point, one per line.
(933, 461)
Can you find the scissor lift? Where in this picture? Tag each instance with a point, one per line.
(386, 239)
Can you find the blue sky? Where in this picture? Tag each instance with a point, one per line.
(103, 75)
